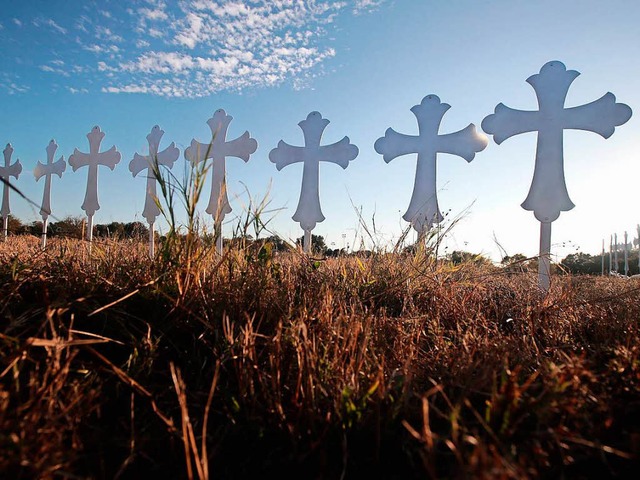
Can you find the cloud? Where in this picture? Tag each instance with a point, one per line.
(365, 6)
(190, 35)
(213, 46)
(196, 48)
(82, 22)
(10, 85)
(55, 26)
(153, 14)
(55, 67)
(105, 33)
(17, 22)
(77, 90)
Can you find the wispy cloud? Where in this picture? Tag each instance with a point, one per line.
(82, 23)
(210, 46)
(153, 13)
(77, 90)
(365, 6)
(11, 84)
(196, 48)
(104, 33)
(55, 26)
(55, 66)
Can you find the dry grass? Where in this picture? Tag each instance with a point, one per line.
(392, 366)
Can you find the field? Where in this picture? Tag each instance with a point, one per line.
(391, 365)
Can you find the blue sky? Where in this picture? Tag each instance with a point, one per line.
(126, 66)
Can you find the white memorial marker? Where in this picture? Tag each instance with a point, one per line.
(610, 254)
(638, 228)
(219, 148)
(93, 159)
(341, 153)
(548, 194)
(615, 252)
(423, 209)
(151, 163)
(46, 170)
(6, 173)
(626, 255)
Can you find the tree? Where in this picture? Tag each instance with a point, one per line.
(15, 226)
(317, 244)
(277, 243)
(67, 227)
(582, 263)
(458, 256)
(119, 230)
(520, 263)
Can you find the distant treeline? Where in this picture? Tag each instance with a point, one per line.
(74, 227)
(576, 263)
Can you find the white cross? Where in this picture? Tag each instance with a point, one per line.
(219, 148)
(626, 254)
(151, 163)
(548, 194)
(46, 170)
(6, 173)
(341, 153)
(423, 209)
(93, 159)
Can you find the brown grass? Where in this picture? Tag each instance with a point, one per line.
(391, 366)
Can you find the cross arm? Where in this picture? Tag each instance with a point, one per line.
(242, 147)
(138, 164)
(600, 116)
(341, 152)
(110, 158)
(285, 154)
(395, 144)
(55, 168)
(169, 155)
(464, 143)
(78, 159)
(507, 122)
(13, 170)
(198, 152)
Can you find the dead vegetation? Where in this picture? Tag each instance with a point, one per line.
(256, 363)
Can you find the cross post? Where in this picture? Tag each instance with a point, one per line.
(610, 254)
(92, 160)
(218, 150)
(309, 213)
(151, 163)
(615, 252)
(46, 170)
(423, 210)
(548, 195)
(626, 255)
(6, 172)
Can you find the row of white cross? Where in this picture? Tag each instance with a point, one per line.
(614, 248)
(547, 196)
